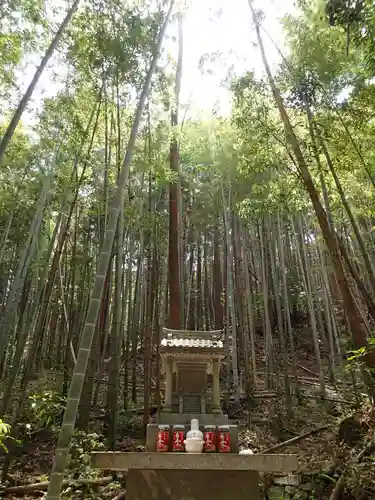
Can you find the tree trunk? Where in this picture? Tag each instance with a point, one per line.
(174, 239)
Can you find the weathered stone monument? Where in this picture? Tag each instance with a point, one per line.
(190, 362)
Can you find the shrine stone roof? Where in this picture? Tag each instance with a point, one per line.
(192, 339)
(189, 342)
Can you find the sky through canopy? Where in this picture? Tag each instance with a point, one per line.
(220, 28)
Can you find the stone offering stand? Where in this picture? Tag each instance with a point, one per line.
(190, 361)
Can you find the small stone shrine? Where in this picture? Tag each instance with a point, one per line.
(191, 450)
(187, 360)
(190, 362)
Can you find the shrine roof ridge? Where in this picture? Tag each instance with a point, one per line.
(194, 334)
(192, 339)
(197, 343)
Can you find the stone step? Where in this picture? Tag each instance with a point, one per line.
(192, 404)
(192, 410)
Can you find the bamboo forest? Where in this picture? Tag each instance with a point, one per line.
(193, 166)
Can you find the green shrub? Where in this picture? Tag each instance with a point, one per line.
(45, 410)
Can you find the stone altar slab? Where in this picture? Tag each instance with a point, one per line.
(115, 460)
(192, 485)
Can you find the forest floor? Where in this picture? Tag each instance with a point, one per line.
(326, 439)
(342, 433)
(331, 437)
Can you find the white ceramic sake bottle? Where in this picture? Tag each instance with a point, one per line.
(194, 438)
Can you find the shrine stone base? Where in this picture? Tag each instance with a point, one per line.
(152, 430)
(192, 485)
(185, 419)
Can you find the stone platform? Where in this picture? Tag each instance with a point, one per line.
(192, 485)
(184, 476)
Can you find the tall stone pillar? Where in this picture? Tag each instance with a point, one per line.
(216, 408)
(168, 385)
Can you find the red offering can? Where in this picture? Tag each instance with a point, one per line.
(178, 438)
(224, 439)
(209, 438)
(162, 443)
